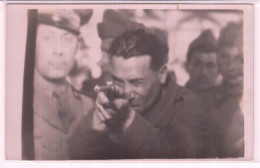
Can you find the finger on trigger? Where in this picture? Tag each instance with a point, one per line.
(102, 98)
(100, 116)
(103, 112)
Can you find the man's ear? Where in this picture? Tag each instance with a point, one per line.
(163, 74)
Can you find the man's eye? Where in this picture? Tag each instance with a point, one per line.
(211, 66)
(117, 82)
(197, 64)
(239, 59)
(137, 83)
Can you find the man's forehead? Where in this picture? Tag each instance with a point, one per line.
(134, 61)
(231, 51)
(205, 56)
(52, 29)
(136, 66)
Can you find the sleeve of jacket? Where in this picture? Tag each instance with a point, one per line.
(86, 143)
(182, 138)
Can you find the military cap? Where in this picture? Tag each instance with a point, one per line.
(67, 19)
(205, 42)
(115, 24)
(231, 35)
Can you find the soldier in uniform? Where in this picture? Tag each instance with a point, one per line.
(228, 119)
(202, 67)
(58, 107)
(144, 113)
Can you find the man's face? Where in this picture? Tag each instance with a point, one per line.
(136, 77)
(203, 70)
(55, 50)
(104, 61)
(231, 65)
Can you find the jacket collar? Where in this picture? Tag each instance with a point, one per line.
(167, 97)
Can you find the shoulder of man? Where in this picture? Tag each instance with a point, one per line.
(185, 96)
(189, 106)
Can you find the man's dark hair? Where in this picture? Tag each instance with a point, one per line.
(204, 43)
(139, 42)
(231, 35)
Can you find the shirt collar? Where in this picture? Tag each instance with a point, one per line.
(46, 87)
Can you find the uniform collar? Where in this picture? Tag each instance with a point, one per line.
(46, 87)
(191, 87)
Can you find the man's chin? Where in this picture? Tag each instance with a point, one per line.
(136, 109)
(56, 77)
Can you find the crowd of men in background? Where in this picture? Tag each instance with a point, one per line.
(144, 113)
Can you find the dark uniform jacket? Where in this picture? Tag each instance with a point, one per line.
(173, 128)
(208, 96)
(228, 124)
(209, 99)
(226, 139)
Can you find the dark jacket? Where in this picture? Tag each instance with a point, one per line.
(209, 98)
(228, 124)
(226, 139)
(173, 128)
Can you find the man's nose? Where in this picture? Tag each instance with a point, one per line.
(129, 91)
(232, 66)
(101, 62)
(203, 70)
(58, 47)
(104, 59)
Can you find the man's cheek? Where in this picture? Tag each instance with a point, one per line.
(140, 94)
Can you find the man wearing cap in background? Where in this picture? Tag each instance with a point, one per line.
(144, 114)
(202, 67)
(58, 107)
(113, 25)
(228, 119)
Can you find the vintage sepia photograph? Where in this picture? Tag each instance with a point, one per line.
(129, 81)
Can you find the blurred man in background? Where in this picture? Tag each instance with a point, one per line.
(58, 107)
(81, 70)
(228, 119)
(144, 114)
(202, 67)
